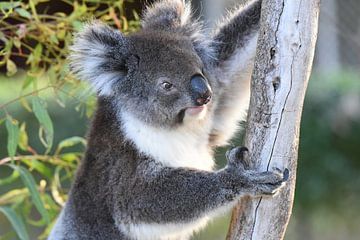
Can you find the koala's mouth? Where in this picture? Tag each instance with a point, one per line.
(195, 111)
(192, 113)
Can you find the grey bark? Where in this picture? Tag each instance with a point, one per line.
(282, 68)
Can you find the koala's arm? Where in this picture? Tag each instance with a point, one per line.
(234, 45)
(180, 195)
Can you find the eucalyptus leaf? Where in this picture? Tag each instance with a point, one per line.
(16, 222)
(23, 137)
(41, 113)
(38, 51)
(69, 142)
(14, 196)
(12, 127)
(25, 104)
(30, 183)
(39, 166)
(70, 157)
(23, 13)
(77, 25)
(28, 80)
(17, 43)
(2, 120)
(14, 175)
(9, 5)
(11, 68)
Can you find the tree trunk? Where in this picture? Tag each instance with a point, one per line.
(282, 68)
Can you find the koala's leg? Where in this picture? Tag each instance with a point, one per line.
(178, 198)
(235, 45)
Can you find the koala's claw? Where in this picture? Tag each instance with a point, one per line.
(269, 183)
(269, 189)
(286, 174)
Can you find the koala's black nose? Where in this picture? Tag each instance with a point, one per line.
(200, 89)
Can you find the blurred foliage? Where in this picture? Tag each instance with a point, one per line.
(34, 40)
(328, 183)
(329, 166)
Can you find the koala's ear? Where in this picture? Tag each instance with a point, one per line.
(175, 16)
(167, 15)
(98, 55)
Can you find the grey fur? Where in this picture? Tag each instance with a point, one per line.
(120, 191)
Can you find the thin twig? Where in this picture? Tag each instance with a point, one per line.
(25, 95)
(51, 159)
(18, 158)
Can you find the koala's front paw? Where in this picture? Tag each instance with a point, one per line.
(253, 182)
(267, 183)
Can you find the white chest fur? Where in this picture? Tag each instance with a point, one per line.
(185, 146)
(181, 147)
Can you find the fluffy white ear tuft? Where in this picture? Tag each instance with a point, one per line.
(175, 16)
(98, 56)
(167, 15)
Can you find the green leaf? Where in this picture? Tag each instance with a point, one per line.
(14, 196)
(8, 5)
(8, 46)
(38, 51)
(77, 25)
(41, 113)
(23, 137)
(10, 68)
(25, 104)
(39, 166)
(16, 222)
(36, 56)
(28, 80)
(10, 178)
(22, 12)
(70, 157)
(47, 230)
(54, 39)
(36, 223)
(30, 183)
(69, 142)
(12, 127)
(2, 37)
(2, 120)
(17, 43)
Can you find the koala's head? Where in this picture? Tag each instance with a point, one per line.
(159, 74)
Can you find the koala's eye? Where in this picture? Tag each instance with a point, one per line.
(167, 86)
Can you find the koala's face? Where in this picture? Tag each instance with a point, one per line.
(165, 81)
(157, 74)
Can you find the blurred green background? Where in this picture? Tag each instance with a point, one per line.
(34, 38)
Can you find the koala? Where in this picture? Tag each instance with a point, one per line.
(168, 95)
